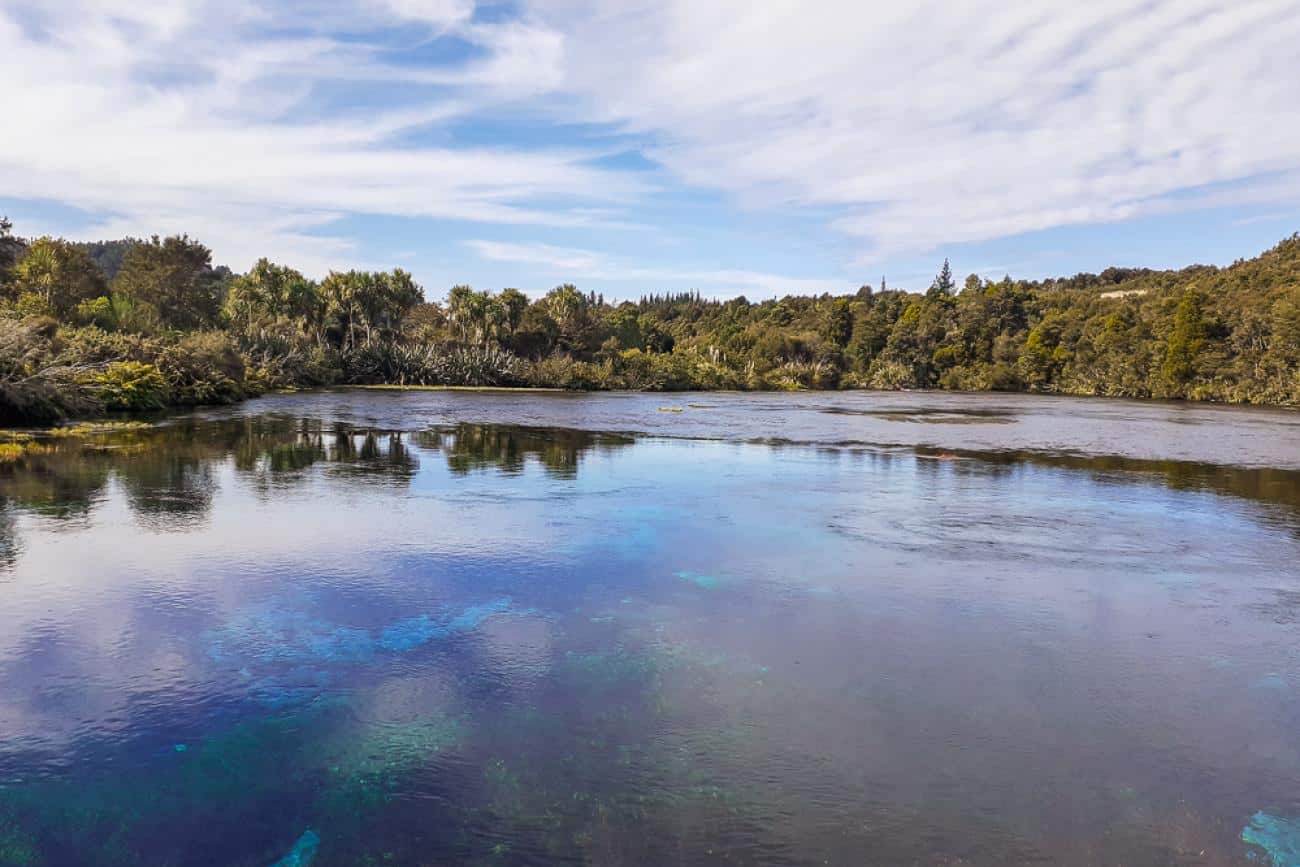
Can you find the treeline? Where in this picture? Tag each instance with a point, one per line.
(142, 324)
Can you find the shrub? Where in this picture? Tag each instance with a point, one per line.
(130, 385)
(96, 311)
(203, 368)
(37, 387)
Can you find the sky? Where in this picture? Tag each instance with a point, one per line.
(756, 147)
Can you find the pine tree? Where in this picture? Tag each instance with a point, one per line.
(943, 284)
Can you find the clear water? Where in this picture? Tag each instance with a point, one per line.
(431, 628)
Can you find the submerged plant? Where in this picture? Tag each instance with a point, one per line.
(303, 851)
(1278, 837)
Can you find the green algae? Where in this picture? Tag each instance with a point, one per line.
(355, 768)
(17, 849)
(1279, 838)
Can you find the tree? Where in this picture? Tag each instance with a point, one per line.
(468, 312)
(57, 276)
(569, 308)
(368, 303)
(341, 295)
(268, 292)
(943, 284)
(386, 299)
(838, 328)
(10, 248)
(175, 277)
(514, 303)
(1184, 345)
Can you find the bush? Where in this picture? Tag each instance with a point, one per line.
(279, 355)
(428, 364)
(561, 371)
(96, 311)
(130, 385)
(36, 386)
(203, 368)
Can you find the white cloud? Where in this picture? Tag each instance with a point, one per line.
(258, 126)
(937, 122)
(189, 118)
(580, 266)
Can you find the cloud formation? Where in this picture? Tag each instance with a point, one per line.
(931, 123)
(577, 265)
(208, 118)
(260, 127)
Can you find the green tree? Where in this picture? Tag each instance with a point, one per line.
(470, 314)
(943, 284)
(838, 328)
(268, 292)
(1184, 345)
(513, 303)
(570, 309)
(58, 275)
(11, 249)
(175, 277)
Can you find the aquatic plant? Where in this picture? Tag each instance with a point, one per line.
(1279, 838)
(303, 851)
(418, 631)
(278, 634)
(704, 582)
(17, 848)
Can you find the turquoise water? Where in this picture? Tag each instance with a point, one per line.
(359, 628)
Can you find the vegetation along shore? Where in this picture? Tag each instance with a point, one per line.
(138, 325)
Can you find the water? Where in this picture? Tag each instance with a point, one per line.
(451, 628)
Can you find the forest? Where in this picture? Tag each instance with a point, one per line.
(145, 324)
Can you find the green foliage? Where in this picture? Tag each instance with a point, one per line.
(175, 277)
(11, 250)
(269, 292)
(1184, 345)
(37, 385)
(54, 276)
(204, 368)
(96, 311)
(130, 385)
(364, 306)
(1203, 333)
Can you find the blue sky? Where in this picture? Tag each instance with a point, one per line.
(756, 148)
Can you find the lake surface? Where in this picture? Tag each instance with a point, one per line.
(418, 628)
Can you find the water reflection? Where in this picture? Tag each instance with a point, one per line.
(494, 644)
(170, 472)
(508, 448)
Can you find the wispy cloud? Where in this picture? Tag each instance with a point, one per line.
(196, 116)
(938, 122)
(584, 266)
(260, 126)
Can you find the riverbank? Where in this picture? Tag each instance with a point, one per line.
(166, 329)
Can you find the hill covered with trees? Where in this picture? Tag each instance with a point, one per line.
(143, 324)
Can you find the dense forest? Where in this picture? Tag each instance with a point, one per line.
(145, 324)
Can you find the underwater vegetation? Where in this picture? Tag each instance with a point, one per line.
(704, 582)
(366, 768)
(418, 631)
(303, 852)
(16, 848)
(1279, 838)
(317, 763)
(285, 635)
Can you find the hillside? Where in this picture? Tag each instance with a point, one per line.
(145, 324)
